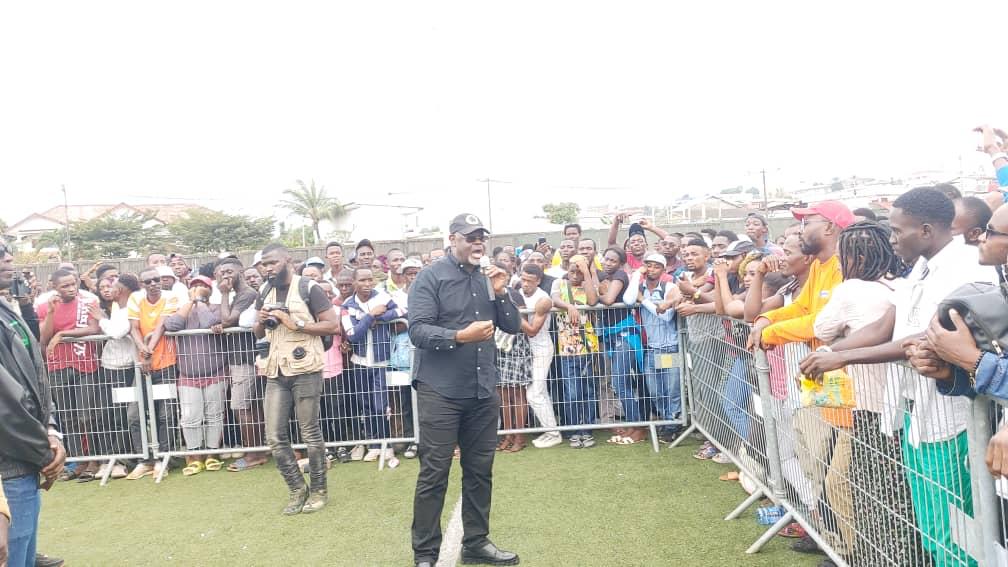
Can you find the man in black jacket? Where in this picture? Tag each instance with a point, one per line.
(30, 445)
(454, 308)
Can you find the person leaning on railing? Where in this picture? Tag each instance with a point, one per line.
(576, 342)
(955, 361)
(201, 377)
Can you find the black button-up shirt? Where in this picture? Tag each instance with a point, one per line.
(447, 296)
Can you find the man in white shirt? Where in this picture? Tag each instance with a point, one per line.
(934, 426)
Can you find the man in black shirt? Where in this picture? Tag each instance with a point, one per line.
(454, 309)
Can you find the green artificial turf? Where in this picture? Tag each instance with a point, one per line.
(608, 505)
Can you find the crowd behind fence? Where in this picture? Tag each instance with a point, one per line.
(868, 488)
(850, 476)
(210, 401)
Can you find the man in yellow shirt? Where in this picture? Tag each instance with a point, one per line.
(821, 225)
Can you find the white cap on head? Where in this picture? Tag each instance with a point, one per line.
(410, 263)
(655, 257)
(257, 258)
(165, 271)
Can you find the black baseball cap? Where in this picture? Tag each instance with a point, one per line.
(635, 229)
(466, 224)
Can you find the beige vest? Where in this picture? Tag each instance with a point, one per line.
(283, 341)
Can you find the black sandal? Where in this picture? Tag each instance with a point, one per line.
(86, 476)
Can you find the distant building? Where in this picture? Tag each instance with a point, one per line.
(24, 234)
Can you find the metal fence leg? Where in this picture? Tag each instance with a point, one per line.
(683, 435)
(108, 471)
(654, 438)
(753, 498)
(381, 457)
(164, 469)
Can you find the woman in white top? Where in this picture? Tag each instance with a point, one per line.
(118, 361)
(873, 497)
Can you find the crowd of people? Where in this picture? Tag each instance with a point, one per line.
(596, 350)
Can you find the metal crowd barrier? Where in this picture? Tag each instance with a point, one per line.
(367, 406)
(898, 479)
(621, 380)
(98, 406)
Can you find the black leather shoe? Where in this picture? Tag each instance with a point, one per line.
(488, 554)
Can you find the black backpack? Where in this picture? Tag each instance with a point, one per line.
(304, 287)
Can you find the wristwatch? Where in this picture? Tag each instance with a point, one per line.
(299, 324)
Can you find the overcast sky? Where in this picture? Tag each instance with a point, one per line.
(227, 104)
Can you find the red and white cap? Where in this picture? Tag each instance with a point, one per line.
(834, 211)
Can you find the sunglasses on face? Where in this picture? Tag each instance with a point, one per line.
(805, 222)
(153, 280)
(990, 232)
(476, 237)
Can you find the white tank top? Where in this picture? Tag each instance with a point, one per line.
(541, 340)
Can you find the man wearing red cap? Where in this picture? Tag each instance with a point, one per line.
(820, 230)
(821, 225)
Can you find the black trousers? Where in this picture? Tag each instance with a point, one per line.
(471, 424)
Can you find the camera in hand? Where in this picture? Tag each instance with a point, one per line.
(20, 288)
(272, 322)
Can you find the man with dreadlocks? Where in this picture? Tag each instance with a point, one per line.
(869, 264)
(933, 433)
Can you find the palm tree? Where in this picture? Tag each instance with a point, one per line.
(312, 203)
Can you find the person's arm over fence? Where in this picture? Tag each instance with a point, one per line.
(633, 289)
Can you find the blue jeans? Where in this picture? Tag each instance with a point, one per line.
(622, 365)
(736, 396)
(25, 503)
(374, 399)
(663, 385)
(580, 397)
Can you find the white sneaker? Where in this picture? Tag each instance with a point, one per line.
(372, 455)
(119, 471)
(389, 454)
(102, 471)
(357, 453)
(547, 440)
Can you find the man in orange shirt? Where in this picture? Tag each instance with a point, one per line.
(821, 225)
(147, 311)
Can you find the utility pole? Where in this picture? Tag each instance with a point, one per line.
(66, 225)
(488, 181)
(766, 211)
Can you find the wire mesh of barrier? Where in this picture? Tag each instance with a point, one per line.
(98, 401)
(722, 384)
(215, 397)
(890, 473)
(600, 369)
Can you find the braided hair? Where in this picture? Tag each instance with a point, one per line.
(866, 254)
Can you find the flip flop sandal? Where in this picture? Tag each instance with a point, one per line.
(242, 464)
(793, 530)
(86, 476)
(212, 464)
(616, 439)
(193, 468)
(626, 441)
(67, 475)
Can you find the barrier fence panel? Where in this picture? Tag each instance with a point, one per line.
(97, 396)
(896, 475)
(726, 407)
(609, 367)
(211, 401)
